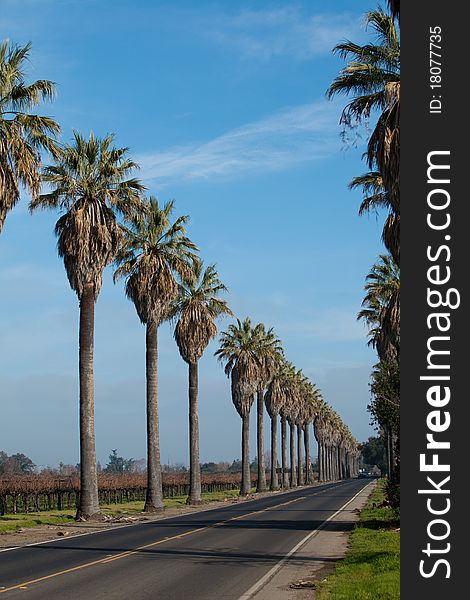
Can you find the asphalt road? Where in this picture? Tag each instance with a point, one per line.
(208, 555)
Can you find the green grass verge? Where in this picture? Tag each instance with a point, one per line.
(58, 517)
(22, 520)
(371, 568)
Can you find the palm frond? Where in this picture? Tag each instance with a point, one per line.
(22, 135)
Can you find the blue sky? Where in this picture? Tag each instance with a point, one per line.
(223, 106)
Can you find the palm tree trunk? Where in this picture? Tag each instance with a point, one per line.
(293, 470)
(327, 461)
(195, 496)
(300, 468)
(316, 433)
(274, 480)
(154, 498)
(321, 461)
(88, 506)
(330, 463)
(246, 476)
(261, 485)
(285, 471)
(308, 460)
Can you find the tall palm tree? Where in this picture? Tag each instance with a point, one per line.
(320, 430)
(90, 185)
(291, 409)
(381, 307)
(292, 415)
(284, 463)
(275, 398)
(155, 254)
(311, 409)
(197, 307)
(238, 349)
(300, 427)
(22, 135)
(287, 382)
(270, 354)
(372, 76)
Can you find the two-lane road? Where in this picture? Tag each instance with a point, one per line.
(207, 555)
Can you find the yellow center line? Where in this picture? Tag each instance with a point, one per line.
(107, 559)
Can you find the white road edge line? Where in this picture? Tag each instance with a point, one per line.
(270, 574)
(76, 535)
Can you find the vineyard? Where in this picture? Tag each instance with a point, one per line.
(22, 494)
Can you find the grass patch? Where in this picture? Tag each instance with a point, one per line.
(23, 521)
(130, 508)
(371, 568)
(57, 517)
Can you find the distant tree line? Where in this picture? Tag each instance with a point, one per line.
(16, 464)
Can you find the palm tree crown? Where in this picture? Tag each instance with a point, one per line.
(89, 182)
(197, 306)
(372, 76)
(381, 307)
(238, 348)
(372, 71)
(270, 353)
(154, 252)
(22, 135)
(276, 394)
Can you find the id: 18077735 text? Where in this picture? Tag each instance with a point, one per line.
(435, 69)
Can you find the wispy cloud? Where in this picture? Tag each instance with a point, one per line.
(285, 31)
(289, 137)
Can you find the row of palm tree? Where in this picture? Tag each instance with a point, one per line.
(106, 219)
(256, 364)
(372, 77)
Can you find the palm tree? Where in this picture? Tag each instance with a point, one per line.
(89, 184)
(305, 416)
(197, 307)
(320, 428)
(238, 349)
(381, 307)
(275, 398)
(22, 135)
(155, 253)
(291, 409)
(311, 409)
(287, 382)
(302, 395)
(372, 75)
(270, 354)
(284, 464)
(300, 427)
(292, 457)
